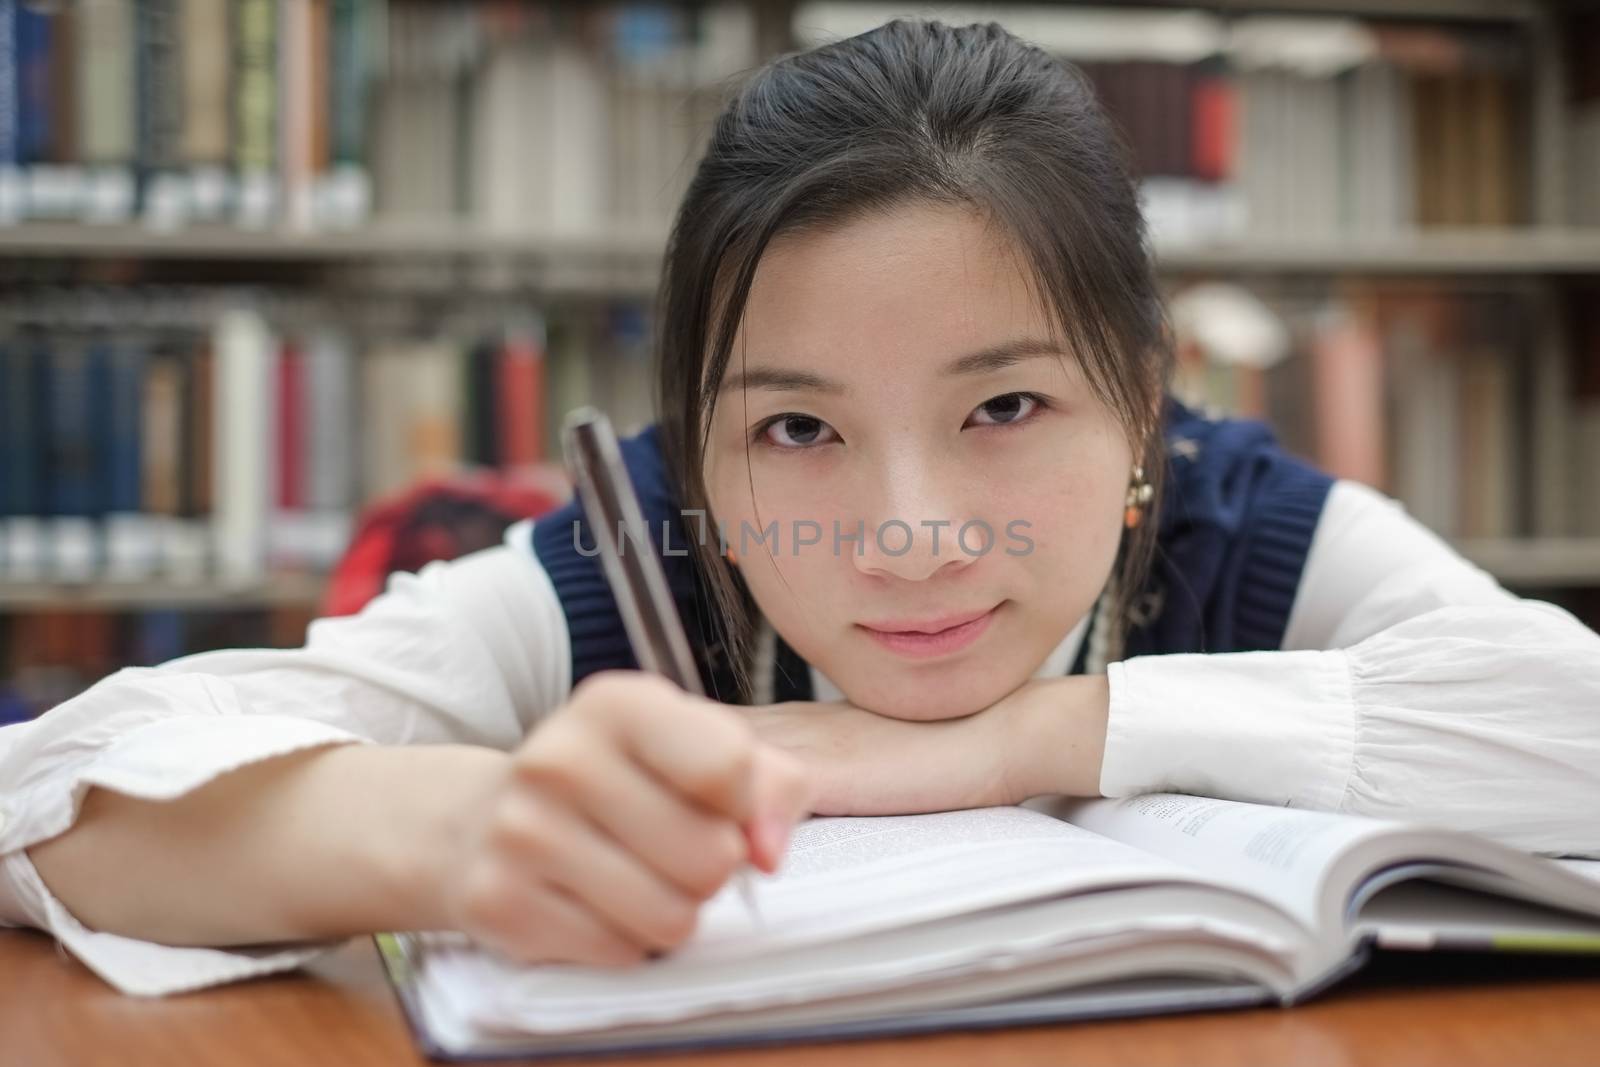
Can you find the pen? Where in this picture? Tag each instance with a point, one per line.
(655, 632)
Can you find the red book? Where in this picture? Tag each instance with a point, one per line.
(291, 428)
(1213, 104)
(1347, 369)
(520, 404)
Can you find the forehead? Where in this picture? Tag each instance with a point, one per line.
(918, 280)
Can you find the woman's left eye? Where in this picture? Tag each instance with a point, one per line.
(1008, 408)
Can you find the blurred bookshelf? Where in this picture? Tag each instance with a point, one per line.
(265, 263)
(301, 592)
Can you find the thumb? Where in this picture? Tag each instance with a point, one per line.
(783, 792)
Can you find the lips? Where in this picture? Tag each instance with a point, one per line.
(926, 626)
(933, 638)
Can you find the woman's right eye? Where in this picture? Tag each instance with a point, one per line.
(801, 431)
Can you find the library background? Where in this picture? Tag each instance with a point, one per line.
(275, 272)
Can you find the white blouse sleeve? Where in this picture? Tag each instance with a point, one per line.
(474, 650)
(1411, 686)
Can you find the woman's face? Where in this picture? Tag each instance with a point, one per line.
(896, 377)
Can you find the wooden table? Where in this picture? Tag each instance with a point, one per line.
(1417, 1010)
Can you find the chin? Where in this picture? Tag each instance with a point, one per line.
(929, 702)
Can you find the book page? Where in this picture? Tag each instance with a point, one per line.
(875, 904)
(847, 875)
(1281, 854)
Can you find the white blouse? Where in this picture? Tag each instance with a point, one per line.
(1410, 685)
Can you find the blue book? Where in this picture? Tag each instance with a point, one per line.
(74, 395)
(122, 467)
(21, 439)
(159, 636)
(10, 115)
(32, 35)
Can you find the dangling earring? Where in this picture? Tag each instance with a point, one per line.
(732, 557)
(1139, 494)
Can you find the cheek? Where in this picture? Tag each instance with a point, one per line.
(1076, 518)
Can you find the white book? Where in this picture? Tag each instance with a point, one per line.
(245, 384)
(578, 118)
(1058, 909)
(510, 164)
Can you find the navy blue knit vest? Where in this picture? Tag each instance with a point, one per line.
(1235, 525)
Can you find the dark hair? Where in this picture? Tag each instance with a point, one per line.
(914, 111)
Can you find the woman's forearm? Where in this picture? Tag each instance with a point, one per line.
(319, 844)
(1057, 734)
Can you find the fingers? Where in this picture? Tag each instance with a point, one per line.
(784, 793)
(532, 921)
(552, 843)
(620, 817)
(702, 750)
(690, 847)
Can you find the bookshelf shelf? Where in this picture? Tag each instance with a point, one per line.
(1522, 251)
(1538, 562)
(638, 251)
(74, 240)
(1523, 562)
(283, 591)
(1464, 10)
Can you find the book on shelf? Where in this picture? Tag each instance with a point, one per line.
(325, 114)
(1475, 409)
(1417, 132)
(53, 652)
(1051, 911)
(236, 446)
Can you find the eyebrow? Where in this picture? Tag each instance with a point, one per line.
(984, 361)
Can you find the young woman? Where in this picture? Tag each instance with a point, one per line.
(912, 361)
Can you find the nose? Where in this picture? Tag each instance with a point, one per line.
(912, 531)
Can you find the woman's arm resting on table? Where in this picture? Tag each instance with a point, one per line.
(595, 841)
(464, 652)
(320, 844)
(1412, 686)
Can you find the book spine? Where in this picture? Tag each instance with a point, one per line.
(255, 109)
(123, 465)
(108, 100)
(207, 125)
(348, 197)
(330, 459)
(10, 111)
(521, 402)
(295, 85)
(23, 452)
(291, 428)
(32, 36)
(63, 87)
(159, 72)
(244, 381)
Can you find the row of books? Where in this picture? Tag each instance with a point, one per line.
(518, 115)
(246, 449)
(1480, 412)
(1583, 146)
(318, 113)
(1390, 144)
(49, 656)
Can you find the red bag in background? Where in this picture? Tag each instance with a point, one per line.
(439, 519)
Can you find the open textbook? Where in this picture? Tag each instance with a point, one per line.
(1002, 916)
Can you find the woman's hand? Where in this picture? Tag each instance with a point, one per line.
(622, 813)
(1046, 736)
